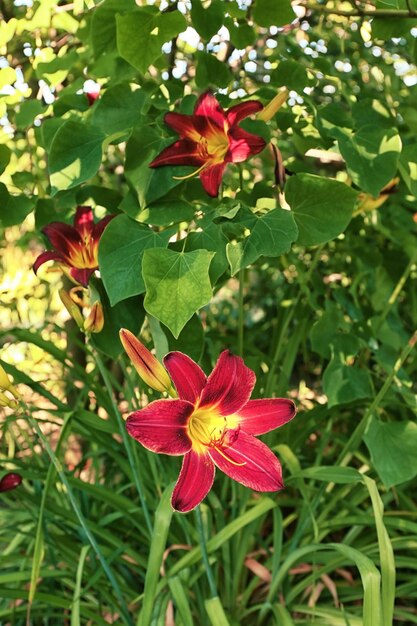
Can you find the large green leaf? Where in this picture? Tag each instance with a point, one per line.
(103, 28)
(393, 448)
(346, 383)
(207, 20)
(120, 256)
(151, 184)
(211, 72)
(14, 209)
(177, 285)
(408, 167)
(371, 155)
(75, 154)
(270, 234)
(273, 12)
(322, 207)
(119, 109)
(141, 34)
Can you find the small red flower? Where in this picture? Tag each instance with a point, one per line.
(92, 96)
(213, 423)
(75, 246)
(211, 138)
(10, 481)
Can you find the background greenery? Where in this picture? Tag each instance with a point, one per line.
(320, 301)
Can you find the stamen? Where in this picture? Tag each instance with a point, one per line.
(220, 451)
(197, 171)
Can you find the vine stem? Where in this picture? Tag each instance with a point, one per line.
(135, 470)
(396, 292)
(241, 320)
(361, 428)
(204, 554)
(312, 6)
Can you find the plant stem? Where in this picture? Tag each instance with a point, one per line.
(312, 6)
(393, 297)
(204, 554)
(135, 469)
(360, 430)
(58, 466)
(241, 319)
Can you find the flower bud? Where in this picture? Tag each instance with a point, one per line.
(147, 366)
(72, 308)
(10, 481)
(273, 106)
(7, 385)
(94, 322)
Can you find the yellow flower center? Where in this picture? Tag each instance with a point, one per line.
(85, 255)
(214, 147)
(208, 429)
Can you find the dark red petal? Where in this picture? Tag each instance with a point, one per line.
(211, 178)
(100, 226)
(63, 237)
(12, 480)
(260, 416)
(194, 482)
(242, 144)
(49, 255)
(238, 112)
(84, 219)
(208, 106)
(188, 377)
(251, 463)
(182, 152)
(229, 386)
(184, 125)
(161, 426)
(82, 276)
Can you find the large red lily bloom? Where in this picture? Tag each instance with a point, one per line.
(213, 423)
(211, 138)
(75, 246)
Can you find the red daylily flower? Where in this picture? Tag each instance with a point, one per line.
(75, 246)
(213, 423)
(211, 138)
(10, 481)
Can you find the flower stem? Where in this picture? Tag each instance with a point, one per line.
(241, 320)
(204, 554)
(361, 428)
(135, 469)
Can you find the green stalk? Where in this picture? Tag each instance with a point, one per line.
(393, 297)
(360, 430)
(134, 466)
(241, 318)
(204, 554)
(58, 466)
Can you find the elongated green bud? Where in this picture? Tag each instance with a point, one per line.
(151, 371)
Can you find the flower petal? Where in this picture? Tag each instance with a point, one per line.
(242, 144)
(63, 237)
(49, 255)
(12, 480)
(194, 482)
(211, 178)
(182, 152)
(229, 386)
(260, 416)
(184, 125)
(161, 426)
(251, 463)
(238, 112)
(81, 276)
(208, 106)
(188, 377)
(98, 228)
(84, 220)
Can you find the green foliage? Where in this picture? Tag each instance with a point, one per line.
(311, 281)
